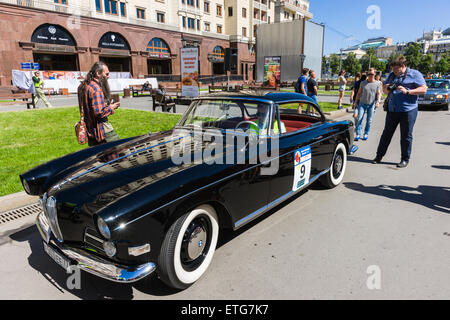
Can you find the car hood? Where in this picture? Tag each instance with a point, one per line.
(128, 167)
(437, 91)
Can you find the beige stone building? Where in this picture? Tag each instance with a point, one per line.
(142, 37)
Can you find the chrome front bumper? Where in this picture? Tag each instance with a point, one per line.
(93, 264)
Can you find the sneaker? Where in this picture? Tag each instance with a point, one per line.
(340, 108)
(402, 164)
(357, 138)
(365, 137)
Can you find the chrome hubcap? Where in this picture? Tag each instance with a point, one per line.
(197, 243)
(338, 165)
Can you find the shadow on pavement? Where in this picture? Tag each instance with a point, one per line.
(441, 167)
(435, 198)
(443, 143)
(92, 287)
(358, 159)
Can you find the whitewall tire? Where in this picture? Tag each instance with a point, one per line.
(189, 247)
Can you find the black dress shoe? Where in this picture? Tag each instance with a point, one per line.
(376, 160)
(402, 164)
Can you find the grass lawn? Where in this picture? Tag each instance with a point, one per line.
(324, 106)
(30, 138)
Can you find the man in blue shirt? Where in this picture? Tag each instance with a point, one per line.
(403, 85)
(301, 82)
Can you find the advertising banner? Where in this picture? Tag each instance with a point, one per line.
(272, 74)
(189, 72)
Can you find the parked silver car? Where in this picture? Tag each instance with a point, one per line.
(437, 94)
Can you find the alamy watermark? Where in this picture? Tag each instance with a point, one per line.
(215, 146)
(374, 20)
(374, 280)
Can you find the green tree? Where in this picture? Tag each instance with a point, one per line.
(413, 55)
(334, 63)
(351, 64)
(443, 65)
(324, 64)
(426, 63)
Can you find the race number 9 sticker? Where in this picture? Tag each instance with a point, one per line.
(302, 167)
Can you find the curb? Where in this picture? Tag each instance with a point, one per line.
(12, 202)
(16, 200)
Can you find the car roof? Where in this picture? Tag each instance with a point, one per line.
(261, 96)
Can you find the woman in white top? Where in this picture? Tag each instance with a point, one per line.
(342, 85)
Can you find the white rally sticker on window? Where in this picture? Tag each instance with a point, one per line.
(302, 167)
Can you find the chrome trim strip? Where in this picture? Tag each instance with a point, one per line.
(264, 209)
(100, 267)
(223, 179)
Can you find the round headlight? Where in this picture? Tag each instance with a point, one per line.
(103, 228)
(110, 248)
(26, 186)
(439, 96)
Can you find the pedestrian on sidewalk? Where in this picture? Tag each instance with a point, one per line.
(366, 101)
(301, 87)
(39, 87)
(311, 86)
(95, 105)
(358, 79)
(342, 87)
(403, 87)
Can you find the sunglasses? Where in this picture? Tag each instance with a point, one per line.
(371, 74)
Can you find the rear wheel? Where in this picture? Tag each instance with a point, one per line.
(337, 170)
(188, 247)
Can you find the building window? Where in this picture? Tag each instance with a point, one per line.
(140, 13)
(189, 2)
(244, 31)
(157, 45)
(191, 23)
(219, 10)
(198, 25)
(111, 7)
(207, 27)
(160, 17)
(98, 5)
(184, 22)
(219, 29)
(230, 11)
(61, 1)
(206, 7)
(123, 9)
(244, 12)
(218, 52)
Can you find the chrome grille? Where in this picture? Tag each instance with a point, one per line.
(53, 222)
(93, 239)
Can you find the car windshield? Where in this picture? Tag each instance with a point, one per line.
(226, 114)
(436, 84)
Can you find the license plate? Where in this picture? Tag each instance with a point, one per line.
(426, 102)
(57, 257)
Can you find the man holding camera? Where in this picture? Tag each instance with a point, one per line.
(403, 87)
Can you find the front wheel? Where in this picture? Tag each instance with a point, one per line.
(337, 170)
(188, 247)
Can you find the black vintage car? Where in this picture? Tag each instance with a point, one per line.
(157, 202)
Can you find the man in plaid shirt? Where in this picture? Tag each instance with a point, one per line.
(94, 107)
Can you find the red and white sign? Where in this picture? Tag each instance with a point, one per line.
(189, 72)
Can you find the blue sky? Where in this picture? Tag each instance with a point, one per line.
(400, 19)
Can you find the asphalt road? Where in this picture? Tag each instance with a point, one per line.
(382, 223)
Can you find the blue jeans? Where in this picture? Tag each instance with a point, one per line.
(362, 109)
(406, 121)
(313, 96)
